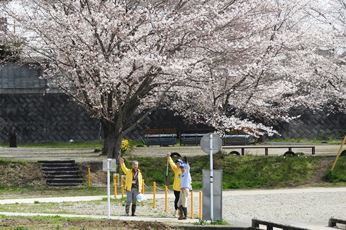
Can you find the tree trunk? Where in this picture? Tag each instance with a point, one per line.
(111, 140)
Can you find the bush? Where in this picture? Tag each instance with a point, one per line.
(124, 145)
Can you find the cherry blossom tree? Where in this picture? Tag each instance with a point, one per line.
(228, 63)
(330, 39)
(263, 73)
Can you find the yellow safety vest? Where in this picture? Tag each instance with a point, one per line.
(177, 174)
(129, 175)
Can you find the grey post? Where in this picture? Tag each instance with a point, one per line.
(211, 179)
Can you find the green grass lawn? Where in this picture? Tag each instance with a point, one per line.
(77, 144)
(97, 144)
(308, 140)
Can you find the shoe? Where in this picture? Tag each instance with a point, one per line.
(176, 213)
(133, 210)
(185, 213)
(127, 210)
(182, 218)
(181, 213)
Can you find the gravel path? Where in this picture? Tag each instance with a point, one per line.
(309, 206)
(35, 154)
(88, 154)
(302, 206)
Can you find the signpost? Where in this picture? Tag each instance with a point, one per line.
(109, 165)
(211, 143)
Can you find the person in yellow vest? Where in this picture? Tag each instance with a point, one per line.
(177, 179)
(133, 185)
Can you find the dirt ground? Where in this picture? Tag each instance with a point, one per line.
(71, 224)
(324, 166)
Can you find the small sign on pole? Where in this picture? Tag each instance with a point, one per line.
(109, 165)
(112, 165)
(211, 143)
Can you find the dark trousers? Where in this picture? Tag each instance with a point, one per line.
(176, 194)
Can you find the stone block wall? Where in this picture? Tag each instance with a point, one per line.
(49, 117)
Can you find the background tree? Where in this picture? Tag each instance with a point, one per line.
(330, 40)
(226, 63)
(264, 73)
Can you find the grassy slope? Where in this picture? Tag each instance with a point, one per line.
(241, 172)
(97, 144)
(238, 172)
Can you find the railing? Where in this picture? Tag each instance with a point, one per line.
(270, 225)
(333, 222)
(266, 149)
(160, 139)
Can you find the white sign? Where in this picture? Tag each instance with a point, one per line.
(112, 165)
(109, 165)
(211, 143)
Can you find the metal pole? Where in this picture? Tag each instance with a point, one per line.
(211, 179)
(109, 188)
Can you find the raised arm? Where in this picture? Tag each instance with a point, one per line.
(123, 166)
(171, 163)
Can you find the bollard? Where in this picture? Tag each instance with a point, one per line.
(143, 186)
(200, 205)
(154, 194)
(118, 178)
(89, 179)
(115, 185)
(122, 187)
(192, 216)
(166, 198)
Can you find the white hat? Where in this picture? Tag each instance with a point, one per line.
(140, 198)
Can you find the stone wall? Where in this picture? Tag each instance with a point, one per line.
(315, 125)
(49, 117)
(41, 115)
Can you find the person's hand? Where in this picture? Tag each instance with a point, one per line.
(121, 160)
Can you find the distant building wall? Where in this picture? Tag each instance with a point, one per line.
(42, 115)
